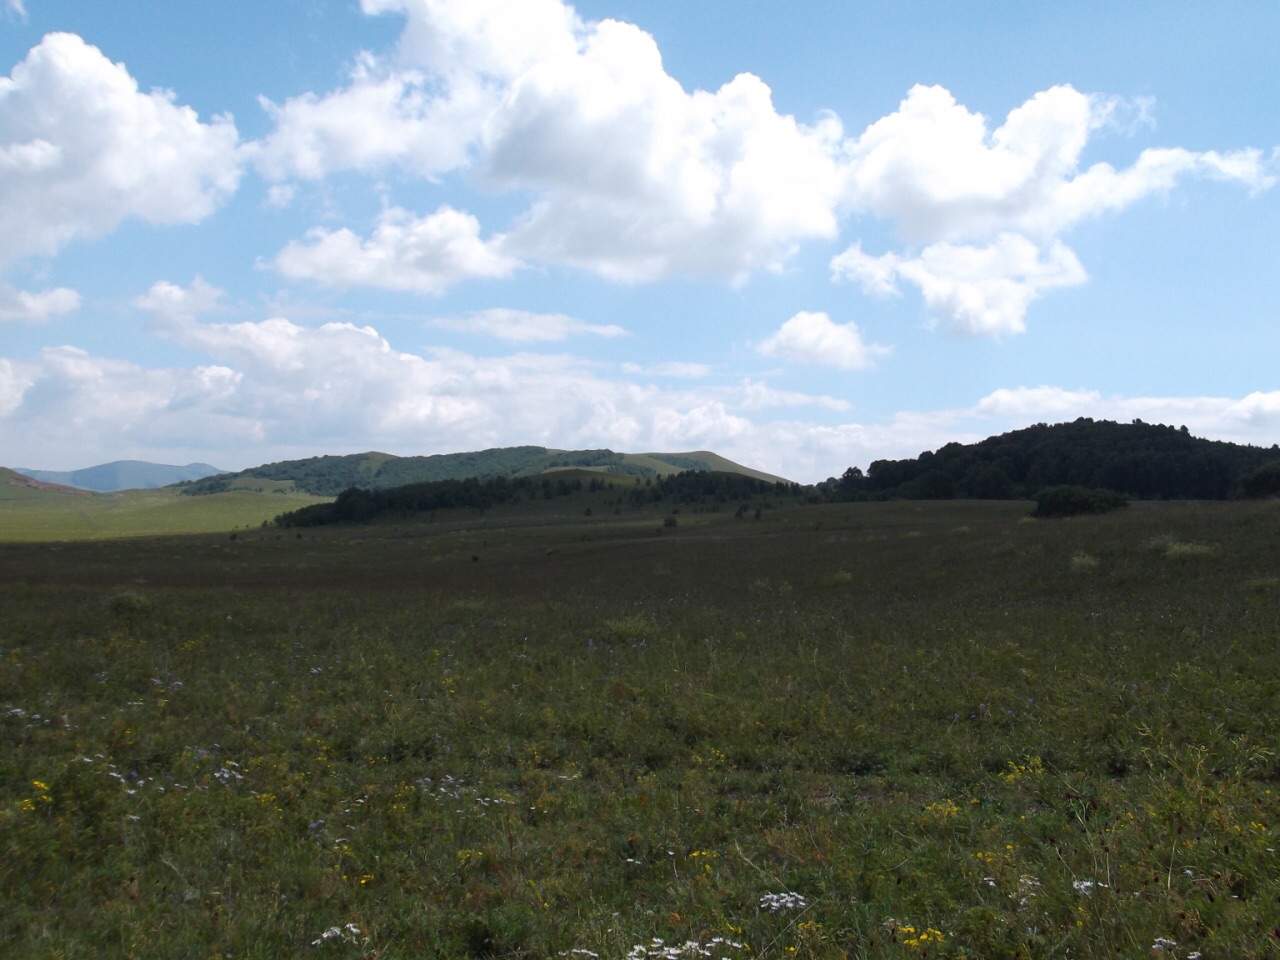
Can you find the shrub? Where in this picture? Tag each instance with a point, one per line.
(1070, 501)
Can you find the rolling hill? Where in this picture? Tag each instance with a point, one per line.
(330, 475)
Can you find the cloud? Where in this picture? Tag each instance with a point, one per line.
(990, 206)
(1035, 403)
(171, 305)
(814, 338)
(632, 177)
(420, 255)
(938, 171)
(384, 117)
(273, 389)
(81, 149)
(979, 289)
(16, 8)
(521, 326)
(638, 180)
(19, 306)
(425, 109)
(753, 396)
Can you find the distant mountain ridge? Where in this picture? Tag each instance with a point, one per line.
(122, 475)
(330, 475)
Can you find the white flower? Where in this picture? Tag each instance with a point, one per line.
(1085, 887)
(773, 902)
(349, 933)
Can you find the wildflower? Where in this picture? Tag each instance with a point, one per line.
(347, 934)
(914, 939)
(1027, 888)
(1085, 887)
(773, 902)
(1162, 944)
(943, 809)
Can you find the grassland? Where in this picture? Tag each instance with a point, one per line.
(867, 730)
(34, 514)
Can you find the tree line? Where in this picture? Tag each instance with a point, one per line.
(695, 487)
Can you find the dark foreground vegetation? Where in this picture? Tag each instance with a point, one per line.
(849, 730)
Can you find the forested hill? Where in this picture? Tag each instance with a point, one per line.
(330, 475)
(1142, 460)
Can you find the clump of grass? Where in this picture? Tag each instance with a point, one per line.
(635, 627)
(1082, 562)
(1176, 549)
(767, 586)
(838, 578)
(130, 603)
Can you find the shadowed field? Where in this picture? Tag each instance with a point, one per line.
(881, 730)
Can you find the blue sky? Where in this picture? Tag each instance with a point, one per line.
(804, 238)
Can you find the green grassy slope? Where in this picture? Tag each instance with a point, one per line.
(35, 513)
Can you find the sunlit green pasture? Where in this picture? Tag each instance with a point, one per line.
(871, 730)
(31, 515)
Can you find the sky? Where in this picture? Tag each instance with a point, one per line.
(803, 235)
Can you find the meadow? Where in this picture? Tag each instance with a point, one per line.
(891, 730)
(35, 515)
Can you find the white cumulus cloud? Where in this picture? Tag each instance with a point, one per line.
(631, 176)
(815, 338)
(987, 208)
(980, 289)
(82, 149)
(21, 306)
(419, 254)
(637, 179)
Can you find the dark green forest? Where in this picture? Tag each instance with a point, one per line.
(1140, 460)
(700, 488)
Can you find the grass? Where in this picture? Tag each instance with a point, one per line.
(860, 737)
(34, 516)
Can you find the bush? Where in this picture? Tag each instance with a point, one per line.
(1070, 501)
